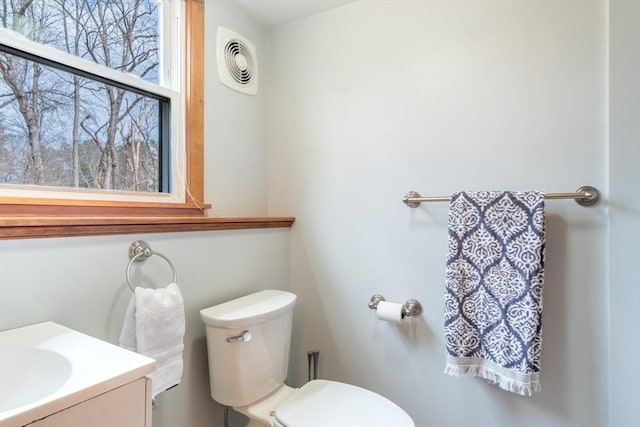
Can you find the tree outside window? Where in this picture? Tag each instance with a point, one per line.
(61, 126)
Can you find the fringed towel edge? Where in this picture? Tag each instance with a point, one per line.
(524, 385)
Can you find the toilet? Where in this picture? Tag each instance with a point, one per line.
(248, 342)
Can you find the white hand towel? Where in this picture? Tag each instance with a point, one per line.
(128, 333)
(154, 326)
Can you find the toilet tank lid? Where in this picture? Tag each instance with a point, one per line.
(321, 403)
(248, 310)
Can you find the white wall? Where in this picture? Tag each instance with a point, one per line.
(235, 124)
(624, 199)
(377, 98)
(80, 282)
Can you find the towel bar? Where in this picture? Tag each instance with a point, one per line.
(584, 196)
(138, 252)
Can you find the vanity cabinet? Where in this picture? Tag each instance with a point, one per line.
(126, 406)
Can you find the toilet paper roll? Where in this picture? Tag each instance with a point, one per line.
(389, 311)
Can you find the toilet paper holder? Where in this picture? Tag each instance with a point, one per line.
(410, 308)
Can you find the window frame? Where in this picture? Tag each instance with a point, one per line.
(191, 194)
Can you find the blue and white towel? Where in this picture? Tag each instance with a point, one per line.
(493, 295)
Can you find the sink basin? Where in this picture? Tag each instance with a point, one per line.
(46, 368)
(29, 374)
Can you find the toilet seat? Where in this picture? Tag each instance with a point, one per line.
(321, 403)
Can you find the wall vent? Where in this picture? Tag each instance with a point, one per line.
(237, 62)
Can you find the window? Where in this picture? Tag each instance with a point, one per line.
(92, 106)
(59, 128)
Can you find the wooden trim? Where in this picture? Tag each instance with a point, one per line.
(18, 207)
(40, 227)
(194, 120)
(87, 210)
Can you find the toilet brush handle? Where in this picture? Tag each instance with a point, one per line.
(309, 356)
(316, 355)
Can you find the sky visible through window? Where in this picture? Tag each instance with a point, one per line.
(64, 129)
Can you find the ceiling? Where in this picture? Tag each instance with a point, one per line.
(276, 12)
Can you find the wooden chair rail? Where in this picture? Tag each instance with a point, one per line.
(40, 227)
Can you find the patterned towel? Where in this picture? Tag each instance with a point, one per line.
(493, 296)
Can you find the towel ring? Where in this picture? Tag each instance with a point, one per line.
(138, 252)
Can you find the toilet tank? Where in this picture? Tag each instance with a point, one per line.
(243, 372)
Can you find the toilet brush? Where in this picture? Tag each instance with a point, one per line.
(309, 355)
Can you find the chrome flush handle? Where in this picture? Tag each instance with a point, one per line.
(244, 337)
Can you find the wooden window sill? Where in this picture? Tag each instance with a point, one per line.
(26, 227)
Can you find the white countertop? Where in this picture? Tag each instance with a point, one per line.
(83, 367)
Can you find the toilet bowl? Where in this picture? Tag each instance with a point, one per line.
(248, 342)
